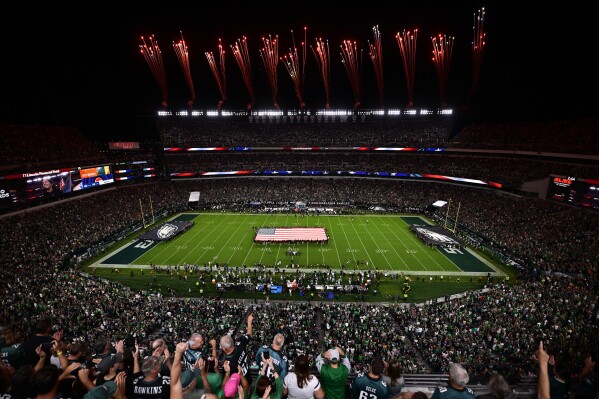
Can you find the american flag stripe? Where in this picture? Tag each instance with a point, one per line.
(270, 234)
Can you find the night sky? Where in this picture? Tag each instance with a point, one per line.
(82, 67)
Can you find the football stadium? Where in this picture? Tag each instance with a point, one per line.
(262, 237)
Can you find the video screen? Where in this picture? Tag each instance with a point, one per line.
(47, 186)
(133, 170)
(7, 196)
(575, 191)
(91, 177)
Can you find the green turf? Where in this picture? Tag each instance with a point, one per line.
(382, 242)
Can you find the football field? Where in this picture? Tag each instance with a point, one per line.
(382, 242)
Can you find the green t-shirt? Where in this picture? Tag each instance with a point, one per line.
(333, 381)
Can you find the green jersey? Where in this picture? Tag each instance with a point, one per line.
(366, 387)
(13, 355)
(450, 392)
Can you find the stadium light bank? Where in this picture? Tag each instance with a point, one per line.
(392, 112)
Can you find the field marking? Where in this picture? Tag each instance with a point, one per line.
(134, 240)
(329, 219)
(486, 262)
(393, 246)
(209, 237)
(168, 246)
(98, 263)
(229, 239)
(450, 261)
(205, 239)
(348, 244)
(332, 238)
(417, 258)
(363, 246)
(411, 237)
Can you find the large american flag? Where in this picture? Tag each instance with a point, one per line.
(271, 234)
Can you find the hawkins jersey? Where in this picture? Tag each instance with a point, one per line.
(279, 360)
(366, 387)
(159, 388)
(450, 392)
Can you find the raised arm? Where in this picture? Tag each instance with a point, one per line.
(176, 386)
(249, 323)
(543, 378)
(201, 365)
(213, 345)
(344, 359)
(136, 367)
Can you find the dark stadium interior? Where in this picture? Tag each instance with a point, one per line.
(89, 157)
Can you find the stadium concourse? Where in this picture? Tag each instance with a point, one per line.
(46, 293)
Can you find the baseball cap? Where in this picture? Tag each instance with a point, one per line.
(230, 390)
(103, 391)
(334, 355)
(108, 362)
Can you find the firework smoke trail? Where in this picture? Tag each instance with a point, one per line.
(153, 56)
(478, 46)
(242, 56)
(407, 46)
(270, 57)
(353, 67)
(376, 54)
(442, 48)
(183, 57)
(219, 73)
(291, 62)
(323, 56)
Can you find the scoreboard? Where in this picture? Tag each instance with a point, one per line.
(572, 190)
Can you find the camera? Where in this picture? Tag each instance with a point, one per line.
(129, 342)
(266, 355)
(47, 346)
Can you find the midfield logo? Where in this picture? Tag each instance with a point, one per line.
(167, 231)
(434, 236)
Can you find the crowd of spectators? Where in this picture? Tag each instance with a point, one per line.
(488, 332)
(495, 330)
(508, 171)
(33, 148)
(498, 330)
(564, 137)
(385, 132)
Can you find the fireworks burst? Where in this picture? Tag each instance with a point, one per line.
(323, 56)
(407, 46)
(478, 45)
(291, 62)
(270, 57)
(376, 54)
(442, 48)
(183, 57)
(242, 56)
(153, 56)
(353, 66)
(219, 73)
